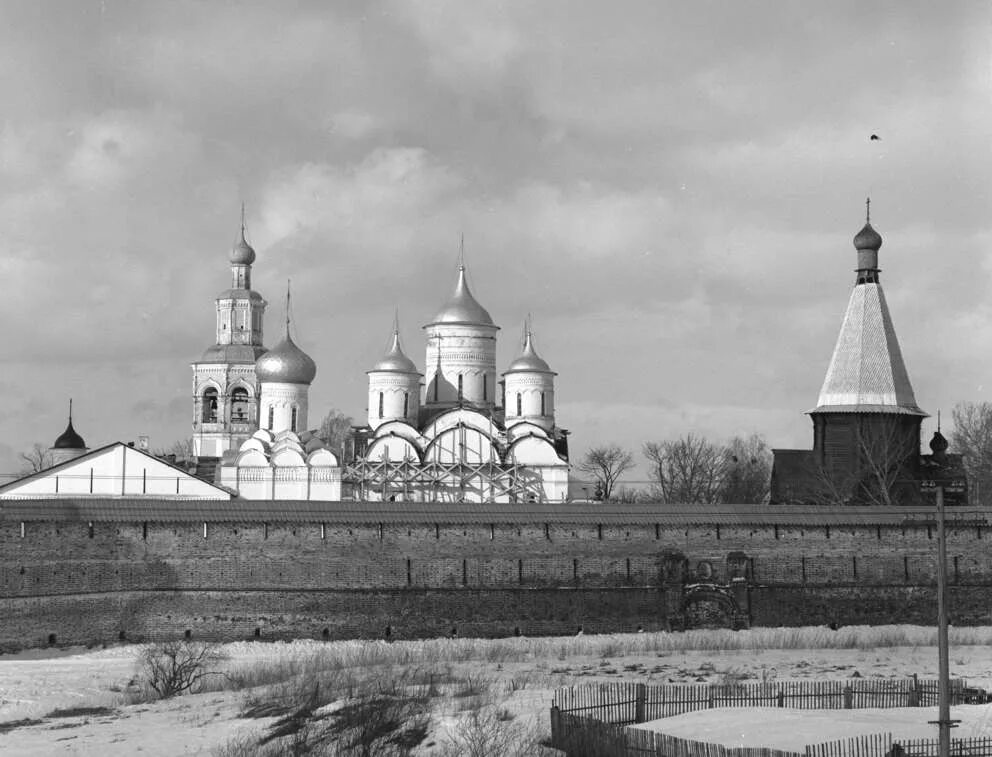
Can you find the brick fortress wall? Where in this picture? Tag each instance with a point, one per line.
(69, 579)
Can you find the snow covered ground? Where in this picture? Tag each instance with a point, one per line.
(33, 684)
(790, 729)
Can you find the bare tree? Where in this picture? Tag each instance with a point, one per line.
(972, 438)
(748, 471)
(335, 431)
(175, 667)
(38, 458)
(687, 470)
(606, 464)
(181, 451)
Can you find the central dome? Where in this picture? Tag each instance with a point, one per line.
(285, 364)
(463, 307)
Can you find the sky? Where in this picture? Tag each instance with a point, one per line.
(669, 189)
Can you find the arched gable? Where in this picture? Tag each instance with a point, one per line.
(533, 450)
(462, 444)
(288, 457)
(461, 416)
(251, 458)
(255, 444)
(393, 448)
(405, 430)
(264, 435)
(525, 428)
(322, 457)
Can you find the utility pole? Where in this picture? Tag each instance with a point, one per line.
(944, 722)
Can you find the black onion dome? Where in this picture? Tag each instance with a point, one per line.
(867, 239)
(939, 443)
(69, 439)
(285, 364)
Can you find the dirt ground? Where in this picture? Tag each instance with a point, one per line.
(36, 685)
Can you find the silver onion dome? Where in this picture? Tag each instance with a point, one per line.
(462, 307)
(285, 364)
(529, 360)
(394, 360)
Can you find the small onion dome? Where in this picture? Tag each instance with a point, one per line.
(394, 360)
(242, 253)
(529, 360)
(938, 445)
(867, 239)
(285, 364)
(69, 439)
(463, 307)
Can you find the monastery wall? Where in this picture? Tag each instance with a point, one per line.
(84, 581)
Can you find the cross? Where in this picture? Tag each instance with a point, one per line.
(868, 210)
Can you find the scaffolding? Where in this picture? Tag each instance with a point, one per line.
(460, 480)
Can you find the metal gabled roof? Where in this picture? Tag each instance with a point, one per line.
(867, 372)
(124, 510)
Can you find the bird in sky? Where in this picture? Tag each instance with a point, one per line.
(874, 138)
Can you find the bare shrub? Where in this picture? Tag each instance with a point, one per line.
(487, 734)
(177, 667)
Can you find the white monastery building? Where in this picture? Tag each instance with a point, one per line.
(463, 435)
(472, 438)
(117, 470)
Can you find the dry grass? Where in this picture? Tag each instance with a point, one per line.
(435, 656)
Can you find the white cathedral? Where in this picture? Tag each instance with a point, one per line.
(459, 436)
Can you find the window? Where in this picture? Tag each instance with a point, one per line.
(295, 415)
(485, 390)
(543, 406)
(209, 406)
(239, 405)
(382, 403)
(520, 404)
(459, 387)
(406, 404)
(272, 417)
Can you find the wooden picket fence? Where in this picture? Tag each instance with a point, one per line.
(626, 703)
(592, 720)
(583, 736)
(884, 745)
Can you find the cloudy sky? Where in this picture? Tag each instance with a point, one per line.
(670, 189)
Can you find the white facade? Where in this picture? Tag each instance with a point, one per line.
(283, 466)
(284, 407)
(117, 470)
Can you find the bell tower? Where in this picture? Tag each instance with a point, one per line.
(225, 389)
